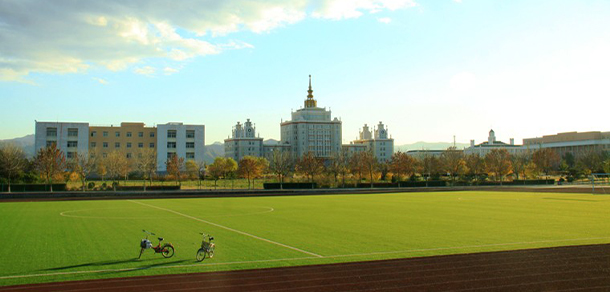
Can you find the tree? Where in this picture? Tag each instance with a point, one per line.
(117, 166)
(196, 169)
(475, 165)
(12, 161)
(50, 163)
(339, 164)
(222, 167)
(83, 164)
(497, 162)
(590, 161)
(281, 165)
(402, 165)
(369, 164)
(546, 160)
(430, 166)
(452, 161)
(520, 161)
(309, 165)
(175, 166)
(146, 164)
(251, 167)
(355, 166)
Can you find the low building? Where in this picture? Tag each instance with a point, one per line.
(483, 148)
(243, 142)
(185, 141)
(71, 138)
(573, 142)
(421, 154)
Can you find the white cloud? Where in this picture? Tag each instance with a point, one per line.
(100, 80)
(146, 70)
(169, 70)
(63, 37)
(385, 20)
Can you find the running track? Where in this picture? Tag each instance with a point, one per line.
(574, 268)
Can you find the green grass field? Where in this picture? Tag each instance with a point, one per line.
(74, 240)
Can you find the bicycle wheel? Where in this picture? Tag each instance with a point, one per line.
(200, 255)
(168, 251)
(211, 252)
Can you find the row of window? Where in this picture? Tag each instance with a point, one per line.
(189, 155)
(172, 145)
(52, 132)
(118, 145)
(118, 134)
(173, 133)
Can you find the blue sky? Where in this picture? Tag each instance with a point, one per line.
(427, 69)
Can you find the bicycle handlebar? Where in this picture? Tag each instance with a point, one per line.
(148, 232)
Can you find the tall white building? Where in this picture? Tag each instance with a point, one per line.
(243, 142)
(376, 141)
(70, 138)
(186, 141)
(312, 129)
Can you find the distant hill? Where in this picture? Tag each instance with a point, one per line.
(212, 151)
(25, 142)
(428, 146)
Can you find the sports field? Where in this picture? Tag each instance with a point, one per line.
(75, 240)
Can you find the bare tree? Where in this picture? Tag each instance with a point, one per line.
(251, 167)
(50, 162)
(196, 169)
(117, 166)
(83, 164)
(429, 166)
(497, 162)
(309, 165)
(146, 164)
(369, 163)
(402, 165)
(475, 165)
(12, 161)
(175, 167)
(452, 161)
(520, 161)
(338, 165)
(281, 165)
(546, 160)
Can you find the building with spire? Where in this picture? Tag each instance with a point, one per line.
(376, 141)
(312, 129)
(483, 148)
(243, 142)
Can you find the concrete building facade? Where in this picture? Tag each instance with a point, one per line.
(573, 142)
(377, 141)
(243, 142)
(185, 141)
(492, 143)
(71, 138)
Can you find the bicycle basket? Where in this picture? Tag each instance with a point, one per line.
(145, 243)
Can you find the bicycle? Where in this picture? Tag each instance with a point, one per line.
(207, 248)
(167, 250)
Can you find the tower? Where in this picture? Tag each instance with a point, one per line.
(310, 102)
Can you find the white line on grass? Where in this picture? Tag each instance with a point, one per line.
(302, 258)
(230, 229)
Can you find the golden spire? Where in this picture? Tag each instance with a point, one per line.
(310, 102)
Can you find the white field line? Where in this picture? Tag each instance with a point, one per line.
(66, 214)
(303, 258)
(231, 229)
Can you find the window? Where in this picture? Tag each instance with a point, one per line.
(190, 144)
(72, 144)
(105, 134)
(93, 133)
(140, 134)
(128, 145)
(190, 133)
(70, 154)
(72, 132)
(128, 134)
(117, 134)
(170, 155)
(105, 144)
(151, 145)
(51, 143)
(140, 145)
(152, 134)
(93, 145)
(171, 134)
(104, 155)
(171, 145)
(128, 155)
(190, 155)
(51, 132)
(117, 145)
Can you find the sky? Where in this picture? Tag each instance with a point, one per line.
(430, 70)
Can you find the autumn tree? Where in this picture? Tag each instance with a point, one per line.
(83, 164)
(146, 164)
(280, 165)
(175, 168)
(402, 165)
(497, 163)
(429, 166)
(222, 167)
(196, 169)
(589, 161)
(546, 160)
(12, 162)
(50, 163)
(475, 165)
(369, 163)
(520, 160)
(117, 166)
(452, 161)
(309, 165)
(251, 167)
(338, 165)
(355, 166)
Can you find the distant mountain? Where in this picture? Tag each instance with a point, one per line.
(25, 142)
(217, 149)
(428, 146)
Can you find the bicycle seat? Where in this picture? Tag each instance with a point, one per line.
(160, 238)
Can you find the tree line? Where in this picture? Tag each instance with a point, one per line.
(342, 169)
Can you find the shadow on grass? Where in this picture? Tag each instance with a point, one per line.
(109, 263)
(146, 267)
